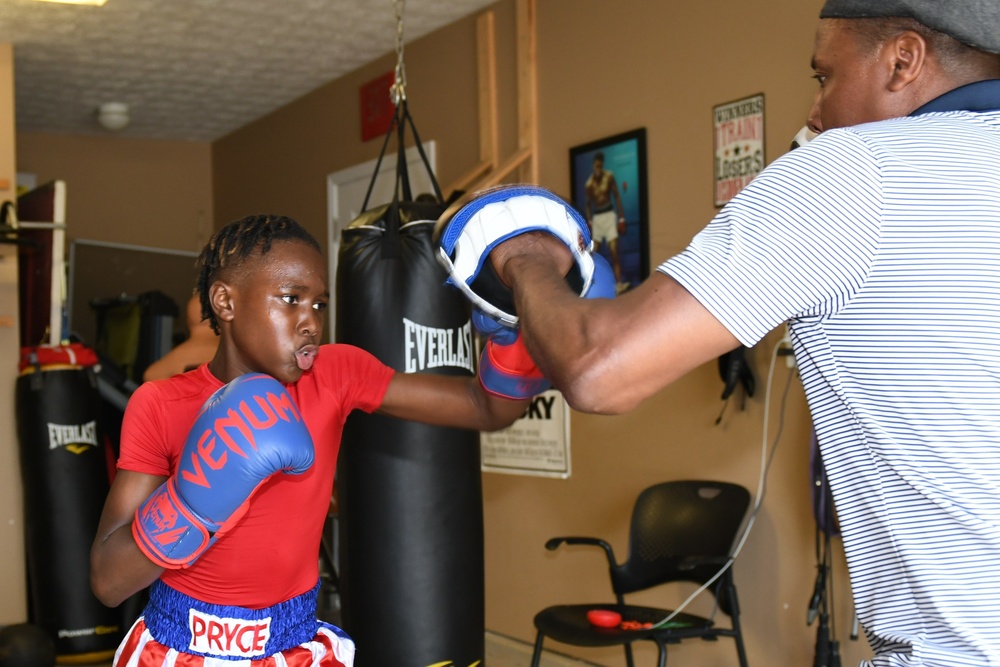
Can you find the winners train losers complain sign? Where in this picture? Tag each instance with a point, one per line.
(739, 145)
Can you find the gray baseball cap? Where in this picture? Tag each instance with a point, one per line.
(972, 22)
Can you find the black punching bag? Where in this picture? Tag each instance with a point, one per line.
(65, 477)
(411, 521)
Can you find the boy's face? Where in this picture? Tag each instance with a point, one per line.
(279, 305)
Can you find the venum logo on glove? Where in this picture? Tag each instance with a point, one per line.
(235, 428)
(161, 517)
(255, 419)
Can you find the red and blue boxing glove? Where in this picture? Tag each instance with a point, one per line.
(505, 367)
(509, 371)
(465, 240)
(246, 432)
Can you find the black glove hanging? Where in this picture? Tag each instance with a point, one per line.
(735, 371)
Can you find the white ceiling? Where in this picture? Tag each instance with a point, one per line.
(195, 70)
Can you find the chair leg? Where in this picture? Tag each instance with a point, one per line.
(628, 656)
(737, 629)
(739, 645)
(662, 648)
(537, 656)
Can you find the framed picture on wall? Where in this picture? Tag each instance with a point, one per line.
(608, 186)
(738, 135)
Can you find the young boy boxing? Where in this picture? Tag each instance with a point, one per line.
(226, 471)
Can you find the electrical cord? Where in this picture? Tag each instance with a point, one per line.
(766, 458)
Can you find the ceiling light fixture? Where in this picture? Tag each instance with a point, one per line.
(113, 115)
(95, 3)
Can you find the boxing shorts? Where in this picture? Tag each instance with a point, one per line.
(176, 630)
(605, 225)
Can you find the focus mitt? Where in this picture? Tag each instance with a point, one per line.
(490, 217)
(505, 367)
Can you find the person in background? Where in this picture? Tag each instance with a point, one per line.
(198, 349)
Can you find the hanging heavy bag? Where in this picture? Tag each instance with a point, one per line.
(65, 479)
(410, 495)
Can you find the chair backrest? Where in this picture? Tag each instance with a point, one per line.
(679, 520)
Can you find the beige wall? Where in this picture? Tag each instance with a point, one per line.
(13, 602)
(604, 68)
(143, 192)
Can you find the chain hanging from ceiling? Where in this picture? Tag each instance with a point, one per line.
(397, 127)
(398, 90)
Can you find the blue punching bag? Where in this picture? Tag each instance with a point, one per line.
(410, 495)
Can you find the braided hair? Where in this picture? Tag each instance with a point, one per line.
(231, 246)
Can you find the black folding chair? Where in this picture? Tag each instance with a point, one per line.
(681, 531)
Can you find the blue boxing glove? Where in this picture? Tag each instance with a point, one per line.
(246, 432)
(603, 285)
(505, 367)
(493, 329)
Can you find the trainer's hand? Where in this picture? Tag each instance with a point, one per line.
(531, 247)
(246, 432)
(506, 369)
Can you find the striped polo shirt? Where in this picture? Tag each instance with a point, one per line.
(880, 246)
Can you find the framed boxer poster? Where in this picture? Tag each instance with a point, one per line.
(608, 185)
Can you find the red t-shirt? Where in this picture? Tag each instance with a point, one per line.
(272, 553)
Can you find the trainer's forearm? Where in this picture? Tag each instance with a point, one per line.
(561, 330)
(608, 355)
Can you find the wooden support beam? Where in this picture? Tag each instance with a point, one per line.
(506, 168)
(489, 171)
(486, 61)
(465, 181)
(493, 177)
(527, 86)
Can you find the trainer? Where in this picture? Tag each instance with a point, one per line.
(879, 243)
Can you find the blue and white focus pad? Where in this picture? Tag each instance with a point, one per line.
(601, 287)
(495, 215)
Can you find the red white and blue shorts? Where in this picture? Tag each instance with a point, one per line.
(176, 630)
